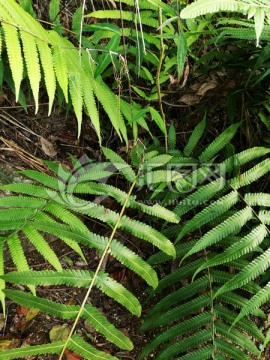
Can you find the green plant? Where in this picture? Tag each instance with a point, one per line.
(258, 10)
(208, 302)
(52, 205)
(29, 51)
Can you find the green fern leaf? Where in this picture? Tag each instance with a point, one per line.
(17, 255)
(219, 143)
(244, 324)
(14, 55)
(250, 272)
(246, 245)
(179, 274)
(119, 251)
(147, 233)
(44, 179)
(202, 7)
(70, 312)
(60, 68)
(88, 96)
(195, 137)
(25, 188)
(177, 312)
(16, 214)
(32, 63)
(238, 302)
(227, 227)
(172, 137)
(24, 351)
(99, 322)
(65, 215)
(257, 199)
(46, 59)
(22, 202)
(204, 353)
(260, 298)
(250, 175)
(183, 293)
(75, 90)
(78, 279)
(203, 194)
(42, 246)
(111, 104)
(185, 344)
(209, 213)
(78, 345)
(176, 331)
(120, 164)
(243, 157)
(230, 350)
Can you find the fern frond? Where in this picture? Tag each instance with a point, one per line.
(101, 324)
(27, 189)
(230, 350)
(78, 278)
(61, 70)
(14, 55)
(202, 7)
(195, 137)
(181, 346)
(75, 90)
(177, 312)
(250, 272)
(32, 63)
(244, 324)
(179, 274)
(238, 301)
(120, 164)
(111, 104)
(42, 246)
(260, 298)
(246, 245)
(185, 292)
(177, 330)
(231, 225)
(218, 144)
(209, 213)
(88, 95)
(250, 175)
(52, 348)
(119, 251)
(79, 346)
(69, 312)
(198, 197)
(46, 59)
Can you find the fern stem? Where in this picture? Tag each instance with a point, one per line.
(161, 55)
(101, 262)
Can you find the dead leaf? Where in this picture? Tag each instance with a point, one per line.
(72, 356)
(31, 314)
(190, 99)
(209, 85)
(59, 333)
(47, 147)
(9, 342)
